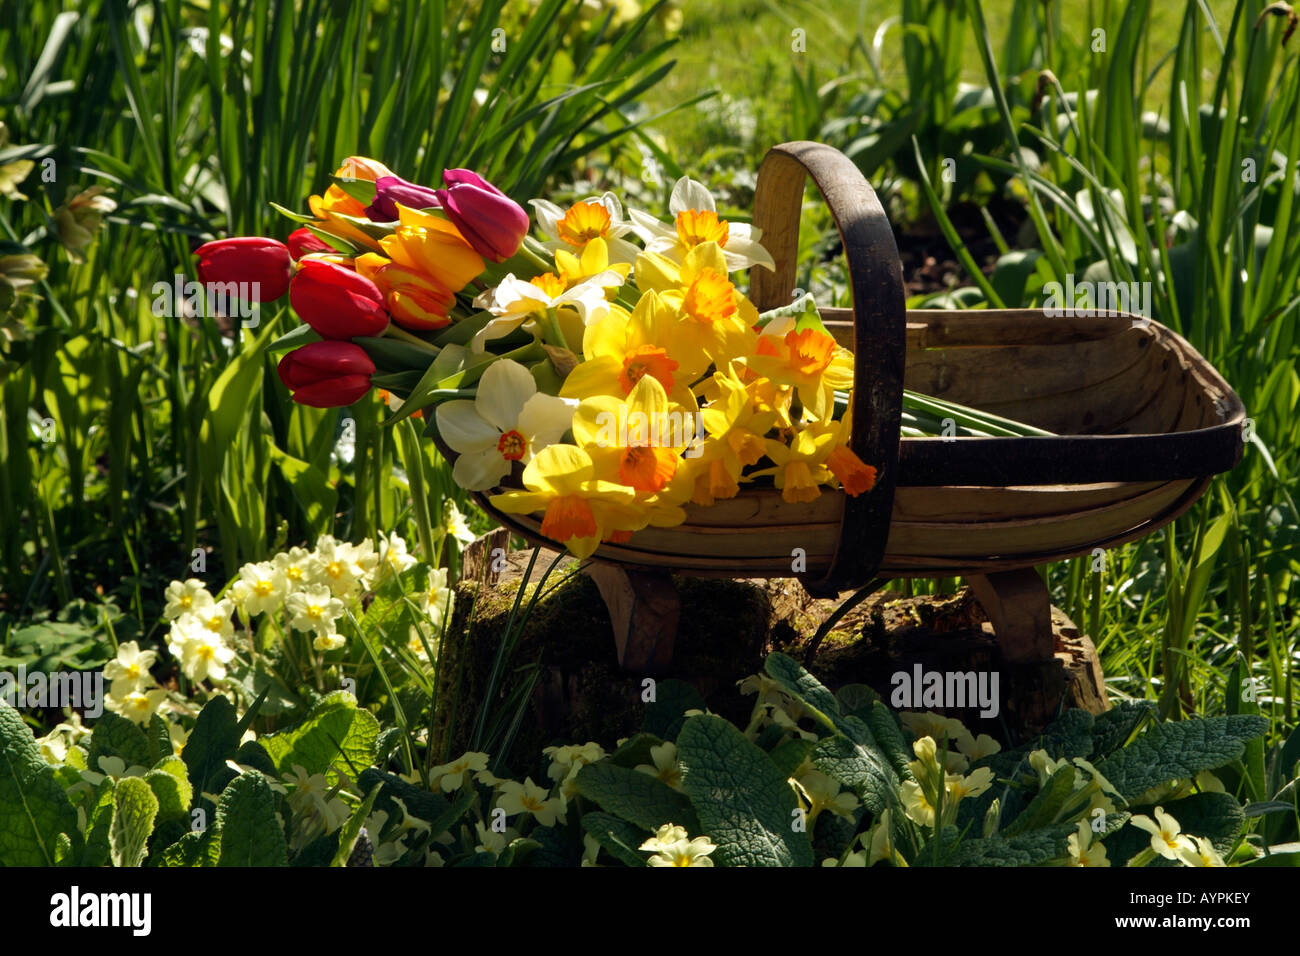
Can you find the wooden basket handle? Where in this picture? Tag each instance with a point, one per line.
(879, 330)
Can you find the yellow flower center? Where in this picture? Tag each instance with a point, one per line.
(513, 446)
(532, 804)
(314, 611)
(583, 222)
(215, 623)
(185, 600)
(263, 588)
(133, 671)
(710, 298)
(205, 652)
(335, 569)
(701, 225)
(550, 284)
(294, 573)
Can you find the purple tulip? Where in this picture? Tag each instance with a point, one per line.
(390, 190)
(491, 222)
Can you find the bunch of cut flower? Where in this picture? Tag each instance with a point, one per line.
(602, 382)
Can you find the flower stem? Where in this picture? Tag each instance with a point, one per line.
(397, 332)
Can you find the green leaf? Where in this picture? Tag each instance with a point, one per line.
(115, 736)
(1179, 751)
(295, 338)
(745, 804)
(349, 832)
(170, 785)
(889, 737)
(99, 826)
(196, 848)
(789, 754)
(637, 797)
(787, 672)
(159, 740)
(635, 751)
(617, 837)
(251, 834)
(1049, 800)
(34, 810)
(1112, 729)
(440, 813)
(664, 714)
(336, 735)
(134, 810)
(858, 764)
(1028, 849)
(212, 742)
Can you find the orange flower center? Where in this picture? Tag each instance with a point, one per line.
(568, 516)
(647, 469)
(811, 351)
(710, 298)
(701, 225)
(583, 222)
(647, 360)
(549, 283)
(512, 446)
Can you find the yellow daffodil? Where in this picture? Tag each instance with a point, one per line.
(801, 465)
(620, 350)
(580, 509)
(696, 220)
(527, 797)
(854, 475)
(735, 427)
(1083, 852)
(593, 260)
(714, 318)
(1166, 833)
(597, 217)
(808, 360)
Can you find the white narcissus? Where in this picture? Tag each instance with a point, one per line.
(508, 421)
(695, 220)
(591, 218)
(514, 301)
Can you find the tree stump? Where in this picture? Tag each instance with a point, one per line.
(590, 686)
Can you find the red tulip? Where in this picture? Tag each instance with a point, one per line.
(303, 242)
(326, 374)
(335, 301)
(491, 222)
(264, 263)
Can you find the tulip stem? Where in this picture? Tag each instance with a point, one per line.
(397, 332)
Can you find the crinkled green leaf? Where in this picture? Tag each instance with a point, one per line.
(889, 738)
(251, 834)
(1049, 800)
(789, 754)
(635, 750)
(172, 788)
(854, 759)
(34, 810)
(158, 739)
(134, 810)
(1112, 728)
(1179, 750)
(196, 848)
(744, 803)
(618, 837)
(335, 736)
(99, 826)
(787, 672)
(439, 812)
(1033, 848)
(637, 797)
(115, 736)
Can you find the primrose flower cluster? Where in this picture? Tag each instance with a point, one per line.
(603, 376)
(302, 595)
